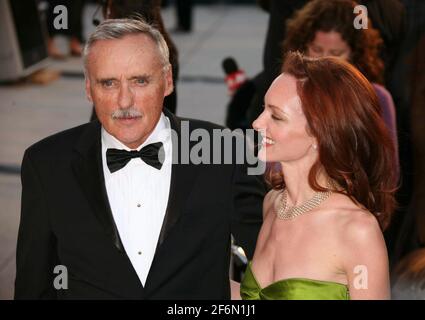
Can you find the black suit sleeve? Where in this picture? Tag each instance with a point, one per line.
(248, 195)
(36, 249)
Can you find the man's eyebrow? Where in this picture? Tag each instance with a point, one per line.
(141, 76)
(101, 80)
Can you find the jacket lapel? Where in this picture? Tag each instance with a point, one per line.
(88, 169)
(182, 179)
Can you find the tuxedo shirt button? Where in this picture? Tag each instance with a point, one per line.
(139, 205)
(140, 253)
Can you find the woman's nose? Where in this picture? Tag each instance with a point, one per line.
(258, 123)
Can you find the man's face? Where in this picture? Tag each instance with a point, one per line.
(127, 84)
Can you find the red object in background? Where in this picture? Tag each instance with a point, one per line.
(235, 80)
(235, 77)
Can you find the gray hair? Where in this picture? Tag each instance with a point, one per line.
(119, 28)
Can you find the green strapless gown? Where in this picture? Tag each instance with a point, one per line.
(292, 289)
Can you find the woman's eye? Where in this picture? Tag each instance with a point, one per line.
(275, 118)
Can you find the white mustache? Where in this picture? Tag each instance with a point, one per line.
(126, 113)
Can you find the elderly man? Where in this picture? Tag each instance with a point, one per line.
(106, 207)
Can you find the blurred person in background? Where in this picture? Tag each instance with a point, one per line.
(408, 277)
(325, 28)
(409, 79)
(74, 31)
(244, 106)
(184, 14)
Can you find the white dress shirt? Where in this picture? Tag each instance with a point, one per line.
(138, 196)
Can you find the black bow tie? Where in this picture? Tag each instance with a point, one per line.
(117, 159)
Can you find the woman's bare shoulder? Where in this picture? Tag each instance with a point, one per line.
(362, 250)
(361, 226)
(353, 216)
(356, 227)
(349, 219)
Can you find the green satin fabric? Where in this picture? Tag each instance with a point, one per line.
(292, 289)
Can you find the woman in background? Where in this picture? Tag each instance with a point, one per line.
(325, 28)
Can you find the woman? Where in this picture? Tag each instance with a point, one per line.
(325, 28)
(333, 191)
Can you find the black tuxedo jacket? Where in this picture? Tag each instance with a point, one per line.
(66, 220)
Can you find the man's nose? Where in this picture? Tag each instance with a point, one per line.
(125, 97)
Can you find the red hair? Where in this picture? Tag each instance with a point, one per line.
(355, 147)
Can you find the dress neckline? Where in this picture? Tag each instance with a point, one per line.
(291, 280)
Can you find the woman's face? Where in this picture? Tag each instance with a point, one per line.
(283, 124)
(327, 44)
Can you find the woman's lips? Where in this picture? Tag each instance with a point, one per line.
(267, 142)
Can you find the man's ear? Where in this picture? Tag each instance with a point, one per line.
(169, 86)
(88, 89)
